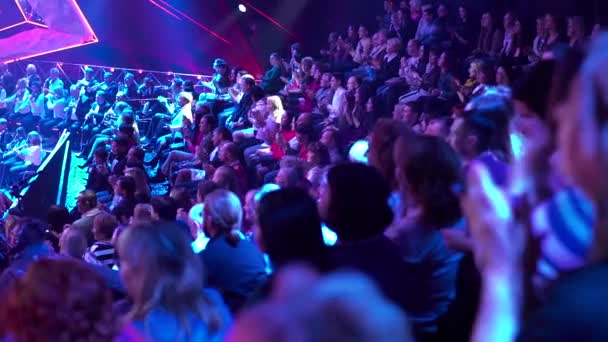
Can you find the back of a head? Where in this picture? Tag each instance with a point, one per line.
(161, 257)
(29, 232)
(165, 208)
(429, 169)
(531, 88)
(73, 243)
(383, 137)
(358, 202)
(488, 117)
(290, 227)
(58, 299)
(223, 209)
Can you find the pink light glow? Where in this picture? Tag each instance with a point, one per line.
(269, 18)
(140, 71)
(112, 69)
(45, 52)
(84, 20)
(165, 10)
(11, 26)
(213, 33)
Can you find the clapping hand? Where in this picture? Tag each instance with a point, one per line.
(498, 241)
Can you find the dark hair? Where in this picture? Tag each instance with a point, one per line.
(321, 152)
(101, 152)
(383, 138)
(232, 149)
(182, 199)
(339, 78)
(123, 143)
(127, 184)
(165, 207)
(139, 152)
(430, 168)
(57, 217)
(291, 227)
(358, 206)
(31, 232)
(205, 187)
(489, 122)
(211, 120)
(224, 133)
(532, 86)
(249, 81)
(88, 198)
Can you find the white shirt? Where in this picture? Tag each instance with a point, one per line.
(177, 122)
(37, 105)
(32, 155)
(57, 106)
(338, 103)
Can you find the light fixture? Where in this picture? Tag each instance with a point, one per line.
(242, 8)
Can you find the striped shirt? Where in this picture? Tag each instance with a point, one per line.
(101, 253)
(564, 224)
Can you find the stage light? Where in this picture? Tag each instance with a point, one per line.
(242, 8)
(199, 77)
(112, 69)
(140, 71)
(169, 73)
(86, 66)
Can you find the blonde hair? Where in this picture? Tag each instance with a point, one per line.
(161, 257)
(278, 111)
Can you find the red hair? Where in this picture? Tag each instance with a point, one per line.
(58, 299)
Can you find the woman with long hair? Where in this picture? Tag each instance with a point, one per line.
(163, 278)
(427, 169)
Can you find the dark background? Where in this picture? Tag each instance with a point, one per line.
(137, 34)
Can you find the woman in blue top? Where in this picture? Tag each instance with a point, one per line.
(163, 278)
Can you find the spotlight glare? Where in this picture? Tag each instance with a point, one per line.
(169, 73)
(112, 69)
(140, 71)
(199, 77)
(242, 8)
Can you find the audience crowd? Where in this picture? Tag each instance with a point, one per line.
(439, 177)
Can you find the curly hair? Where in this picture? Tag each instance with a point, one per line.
(58, 300)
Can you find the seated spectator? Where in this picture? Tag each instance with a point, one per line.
(165, 208)
(482, 134)
(58, 299)
(354, 204)
(162, 276)
(234, 266)
(124, 198)
(271, 82)
(73, 243)
(294, 238)
(99, 172)
(427, 169)
(490, 37)
(26, 242)
(102, 251)
(86, 205)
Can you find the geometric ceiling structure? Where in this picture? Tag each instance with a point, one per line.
(30, 28)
